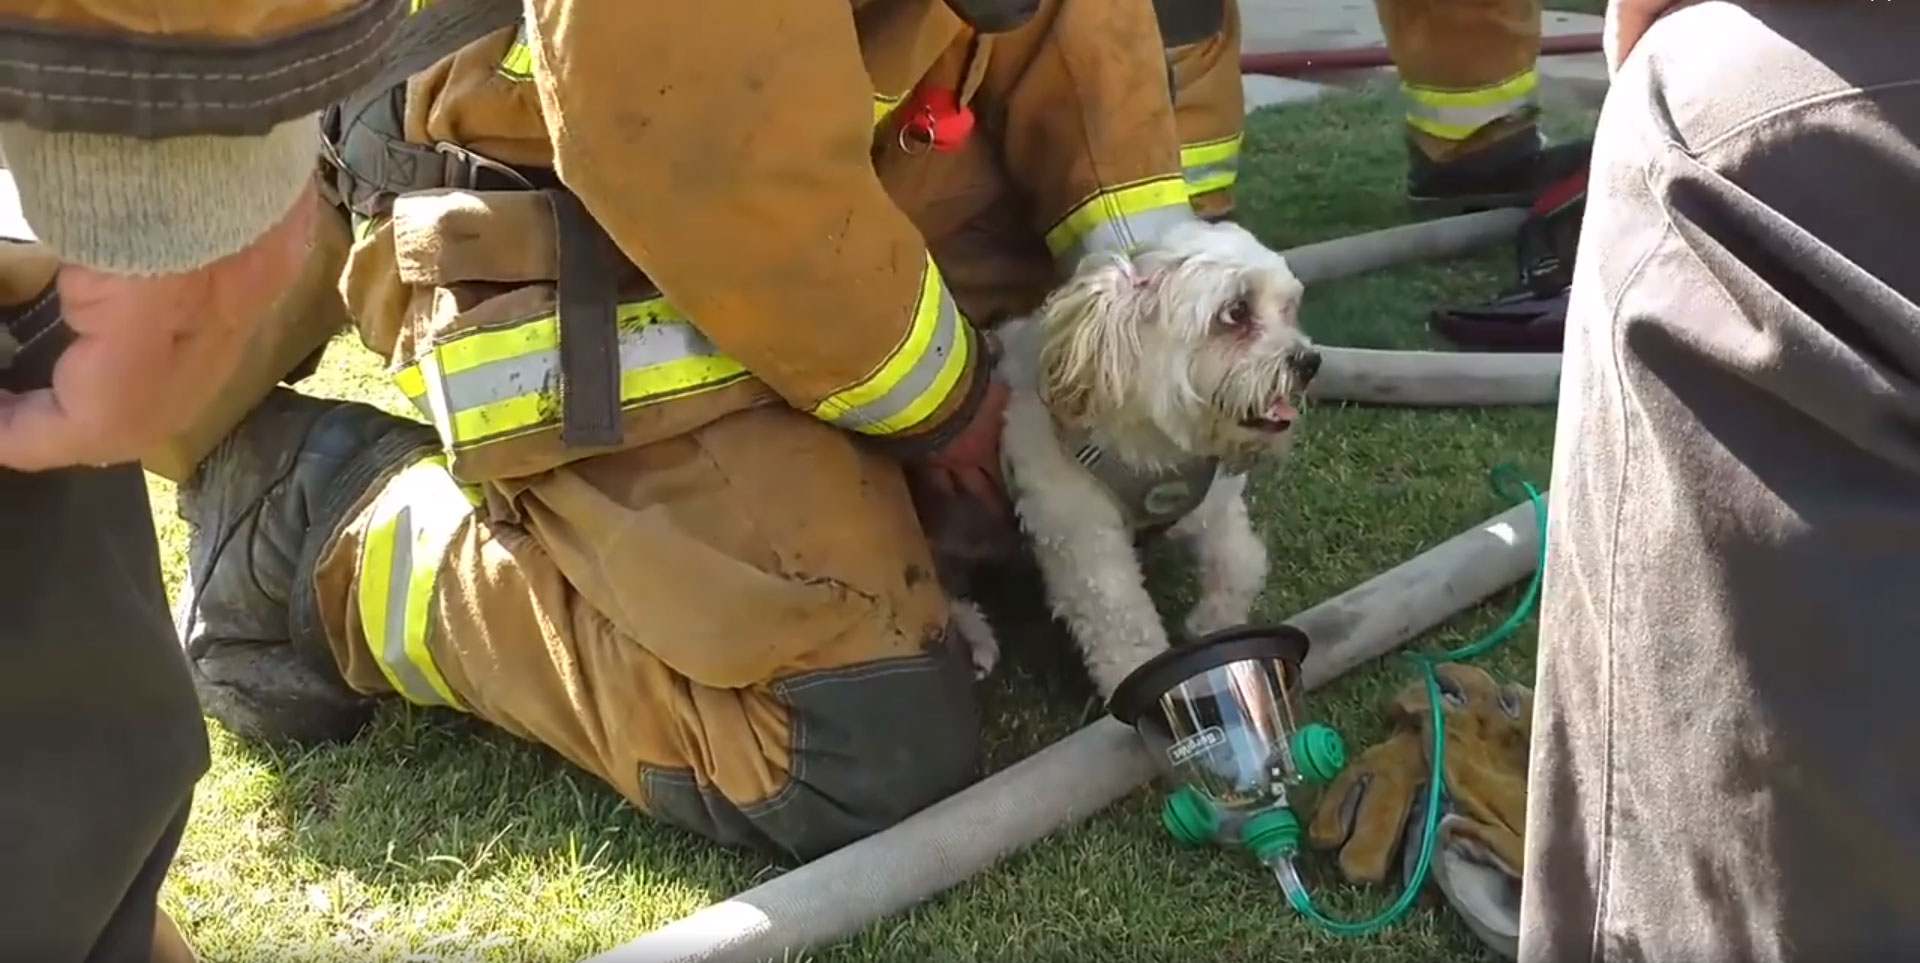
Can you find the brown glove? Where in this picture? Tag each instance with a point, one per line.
(1363, 813)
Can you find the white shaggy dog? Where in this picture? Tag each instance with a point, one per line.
(1141, 393)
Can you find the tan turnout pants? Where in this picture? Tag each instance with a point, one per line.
(1210, 109)
(1467, 69)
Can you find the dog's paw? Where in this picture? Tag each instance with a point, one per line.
(1211, 615)
(977, 633)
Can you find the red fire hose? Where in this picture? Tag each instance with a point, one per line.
(1291, 63)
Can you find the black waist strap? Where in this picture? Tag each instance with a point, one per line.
(589, 326)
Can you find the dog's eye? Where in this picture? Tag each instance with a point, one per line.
(1239, 314)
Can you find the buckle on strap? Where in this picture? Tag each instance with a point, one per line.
(461, 168)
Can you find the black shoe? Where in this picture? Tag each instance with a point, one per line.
(1511, 172)
(259, 508)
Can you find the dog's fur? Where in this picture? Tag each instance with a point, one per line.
(1190, 348)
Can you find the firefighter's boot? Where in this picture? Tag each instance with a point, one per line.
(1512, 171)
(260, 507)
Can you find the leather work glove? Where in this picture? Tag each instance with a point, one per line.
(1377, 806)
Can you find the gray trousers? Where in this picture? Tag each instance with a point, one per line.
(1726, 756)
(100, 734)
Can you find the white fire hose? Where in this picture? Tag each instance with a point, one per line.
(1439, 379)
(947, 843)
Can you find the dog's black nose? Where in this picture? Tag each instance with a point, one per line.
(1306, 364)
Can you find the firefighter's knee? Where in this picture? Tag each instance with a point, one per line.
(868, 745)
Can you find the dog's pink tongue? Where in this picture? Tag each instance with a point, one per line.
(1282, 412)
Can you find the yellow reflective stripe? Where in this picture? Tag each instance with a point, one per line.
(908, 387)
(416, 6)
(411, 383)
(517, 64)
(1121, 219)
(363, 227)
(1211, 165)
(413, 521)
(1457, 114)
(883, 107)
(489, 383)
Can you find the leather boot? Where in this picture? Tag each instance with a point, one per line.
(1510, 172)
(261, 507)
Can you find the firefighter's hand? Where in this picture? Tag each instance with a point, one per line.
(968, 465)
(1626, 22)
(149, 353)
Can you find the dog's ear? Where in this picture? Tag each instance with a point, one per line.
(1090, 340)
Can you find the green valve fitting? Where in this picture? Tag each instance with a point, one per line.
(1271, 835)
(1318, 752)
(1189, 817)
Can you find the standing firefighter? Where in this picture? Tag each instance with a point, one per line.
(119, 122)
(1469, 75)
(684, 296)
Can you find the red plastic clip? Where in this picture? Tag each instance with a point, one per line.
(936, 118)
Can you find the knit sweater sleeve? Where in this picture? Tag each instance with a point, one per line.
(138, 206)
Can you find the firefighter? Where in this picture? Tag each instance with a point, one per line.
(1470, 78)
(690, 302)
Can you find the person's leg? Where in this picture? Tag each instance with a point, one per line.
(728, 627)
(100, 739)
(1722, 766)
(1468, 75)
(1209, 104)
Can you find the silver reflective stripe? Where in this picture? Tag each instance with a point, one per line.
(414, 685)
(1463, 120)
(919, 379)
(539, 371)
(1128, 233)
(1200, 174)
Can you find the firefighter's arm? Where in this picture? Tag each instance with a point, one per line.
(1089, 129)
(725, 146)
(156, 137)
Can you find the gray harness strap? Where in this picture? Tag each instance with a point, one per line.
(1149, 501)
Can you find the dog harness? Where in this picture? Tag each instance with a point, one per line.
(1150, 501)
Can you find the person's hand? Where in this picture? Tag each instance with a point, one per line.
(149, 353)
(968, 465)
(1626, 22)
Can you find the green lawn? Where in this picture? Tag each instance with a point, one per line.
(433, 838)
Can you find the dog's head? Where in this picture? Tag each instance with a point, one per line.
(1196, 338)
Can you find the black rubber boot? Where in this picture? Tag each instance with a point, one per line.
(260, 508)
(1511, 172)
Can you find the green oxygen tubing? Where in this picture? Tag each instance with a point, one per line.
(1507, 483)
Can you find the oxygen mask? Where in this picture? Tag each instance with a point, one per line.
(1222, 719)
